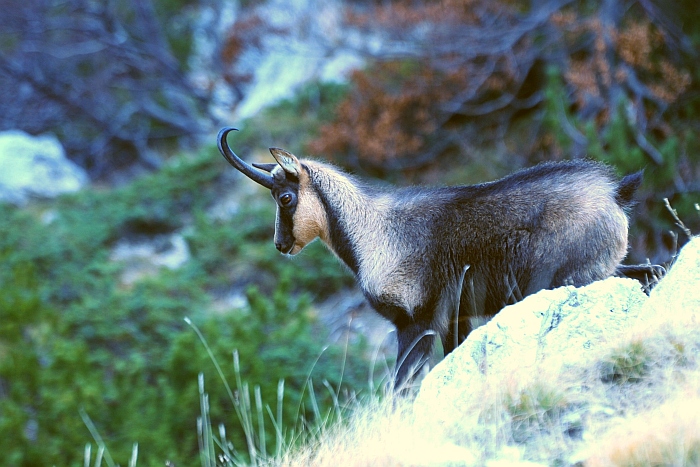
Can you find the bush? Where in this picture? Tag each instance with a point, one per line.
(75, 339)
(628, 363)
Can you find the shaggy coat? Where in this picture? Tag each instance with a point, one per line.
(431, 260)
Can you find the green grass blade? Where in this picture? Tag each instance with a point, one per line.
(96, 436)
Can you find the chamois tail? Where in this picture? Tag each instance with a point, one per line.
(626, 189)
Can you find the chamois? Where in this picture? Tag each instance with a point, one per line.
(429, 259)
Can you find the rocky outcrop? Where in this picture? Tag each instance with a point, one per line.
(559, 340)
(308, 50)
(35, 167)
(557, 326)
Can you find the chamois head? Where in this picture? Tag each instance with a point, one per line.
(300, 216)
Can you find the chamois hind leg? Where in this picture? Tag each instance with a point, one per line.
(593, 257)
(416, 340)
(648, 275)
(581, 272)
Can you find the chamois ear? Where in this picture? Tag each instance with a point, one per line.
(287, 161)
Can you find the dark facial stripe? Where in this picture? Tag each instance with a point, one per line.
(285, 231)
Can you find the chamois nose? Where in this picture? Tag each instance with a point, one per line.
(283, 247)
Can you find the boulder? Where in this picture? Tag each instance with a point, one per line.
(145, 256)
(35, 167)
(679, 290)
(551, 329)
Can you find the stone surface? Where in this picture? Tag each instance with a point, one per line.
(145, 256)
(35, 167)
(307, 51)
(563, 325)
(679, 290)
(554, 328)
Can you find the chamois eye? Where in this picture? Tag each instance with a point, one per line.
(285, 199)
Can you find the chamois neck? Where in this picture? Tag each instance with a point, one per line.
(351, 209)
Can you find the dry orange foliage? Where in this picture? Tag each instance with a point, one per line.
(390, 114)
(638, 47)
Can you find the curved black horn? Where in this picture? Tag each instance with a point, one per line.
(247, 170)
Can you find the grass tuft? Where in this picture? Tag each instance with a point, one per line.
(667, 435)
(534, 409)
(628, 363)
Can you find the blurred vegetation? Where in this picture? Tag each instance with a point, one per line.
(75, 337)
(109, 79)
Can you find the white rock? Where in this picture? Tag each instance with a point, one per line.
(35, 166)
(563, 326)
(308, 50)
(551, 329)
(678, 294)
(144, 257)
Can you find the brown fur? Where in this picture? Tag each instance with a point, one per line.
(419, 254)
(310, 220)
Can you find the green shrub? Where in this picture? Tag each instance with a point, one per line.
(75, 339)
(627, 363)
(535, 408)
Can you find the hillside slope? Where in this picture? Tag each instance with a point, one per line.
(597, 375)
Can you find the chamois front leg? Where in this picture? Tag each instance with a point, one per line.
(451, 338)
(416, 340)
(460, 307)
